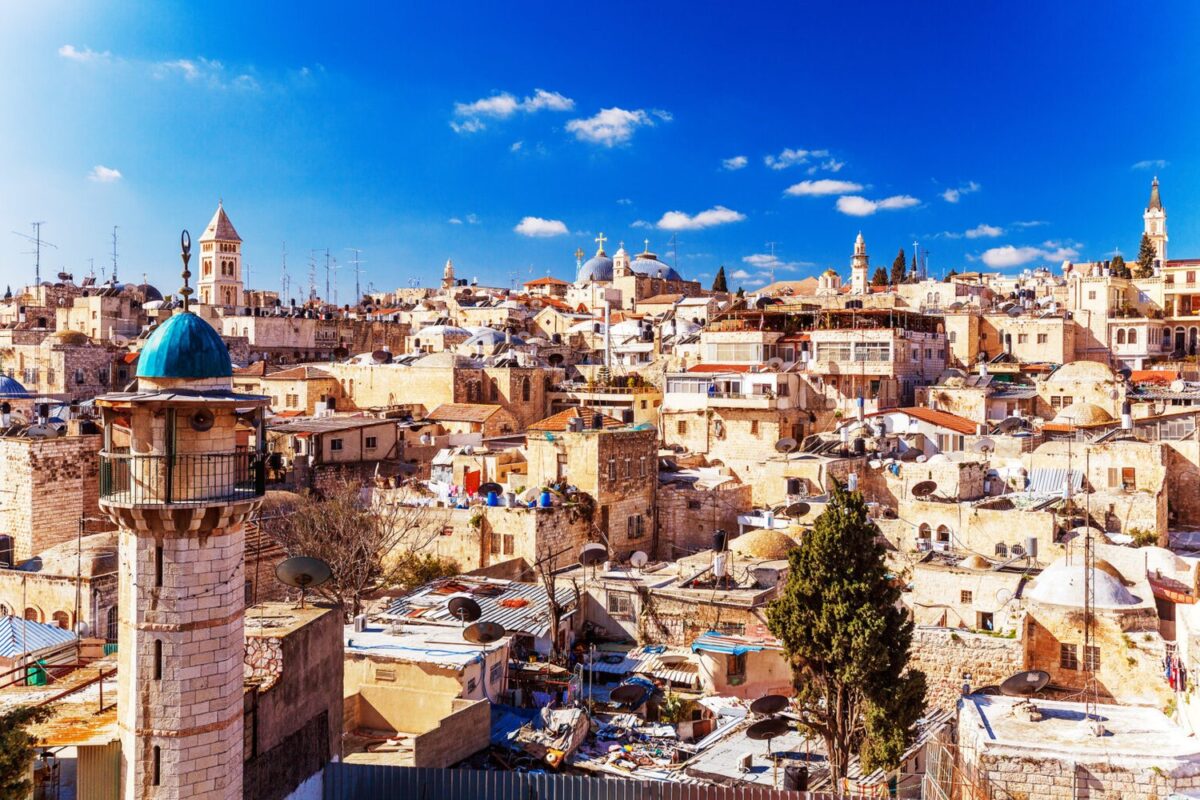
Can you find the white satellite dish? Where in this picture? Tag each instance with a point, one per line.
(639, 559)
(984, 445)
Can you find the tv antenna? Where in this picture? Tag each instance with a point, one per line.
(357, 274)
(285, 281)
(312, 274)
(328, 292)
(38, 243)
(771, 247)
(674, 250)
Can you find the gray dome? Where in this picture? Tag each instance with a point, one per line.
(648, 265)
(597, 268)
(490, 338)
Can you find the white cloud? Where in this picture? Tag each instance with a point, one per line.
(103, 174)
(790, 158)
(613, 126)
(455, 221)
(536, 227)
(1011, 256)
(624, 201)
(822, 187)
(1153, 163)
(503, 105)
(740, 275)
(736, 162)
(766, 261)
(641, 223)
(515, 147)
(1030, 223)
(71, 53)
(954, 195)
(984, 231)
(829, 165)
(717, 215)
(856, 206)
(473, 219)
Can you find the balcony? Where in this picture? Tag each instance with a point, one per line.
(742, 400)
(128, 479)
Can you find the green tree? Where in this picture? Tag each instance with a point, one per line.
(848, 642)
(17, 748)
(1118, 267)
(719, 284)
(741, 292)
(1147, 255)
(880, 278)
(899, 268)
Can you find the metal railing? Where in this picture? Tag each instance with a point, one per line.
(130, 479)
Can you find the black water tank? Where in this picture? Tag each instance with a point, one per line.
(627, 416)
(597, 421)
(719, 540)
(795, 778)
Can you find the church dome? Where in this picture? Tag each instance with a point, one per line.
(1081, 413)
(149, 293)
(647, 264)
(1062, 584)
(185, 346)
(763, 543)
(597, 268)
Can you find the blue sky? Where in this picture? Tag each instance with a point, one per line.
(505, 136)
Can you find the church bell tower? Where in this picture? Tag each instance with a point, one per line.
(220, 281)
(858, 266)
(1154, 221)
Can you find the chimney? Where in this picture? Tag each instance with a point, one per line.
(1126, 416)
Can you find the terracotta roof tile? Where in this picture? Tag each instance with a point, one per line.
(942, 419)
(558, 422)
(462, 412)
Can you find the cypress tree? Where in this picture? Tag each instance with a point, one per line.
(899, 268)
(719, 284)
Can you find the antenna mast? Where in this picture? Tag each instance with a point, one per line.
(114, 254)
(357, 274)
(771, 246)
(674, 251)
(36, 252)
(312, 275)
(285, 280)
(328, 293)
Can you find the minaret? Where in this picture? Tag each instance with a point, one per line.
(858, 266)
(1155, 222)
(180, 492)
(220, 282)
(448, 275)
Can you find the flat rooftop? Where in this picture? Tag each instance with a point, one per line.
(422, 644)
(1131, 731)
(275, 620)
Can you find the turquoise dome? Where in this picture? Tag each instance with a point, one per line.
(185, 346)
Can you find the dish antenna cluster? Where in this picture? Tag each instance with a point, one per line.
(304, 573)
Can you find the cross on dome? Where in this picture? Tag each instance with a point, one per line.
(600, 240)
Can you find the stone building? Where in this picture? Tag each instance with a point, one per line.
(220, 275)
(616, 464)
(305, 389)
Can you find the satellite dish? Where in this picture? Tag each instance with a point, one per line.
(924, 489)
(490, 486)
(1003, 595)
(381, 357)
(769, 704)
(464, 608)
(767, 729)
(1025, 684)
(785, 445)
(202, 420)
(628, 694)
(1010, 424)
(921, 459)
(340, 353)
(797, 510)
(304, 573)
(984, 445)
(774, 362)
(639, 559)
(592, 554)
(483, 632)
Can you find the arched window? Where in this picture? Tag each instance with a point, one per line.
(943, 535)
(6, 551)
(62, 619)
(1120, 336)
(924, 532)
(110, 624)
(525, 390)
(1132, 336)
(33, 615)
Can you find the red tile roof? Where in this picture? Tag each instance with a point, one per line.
(943, 419)
(546, 281)
(719, 368)
(558, 422)
(1153, 376)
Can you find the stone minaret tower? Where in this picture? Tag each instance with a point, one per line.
(448, 279)
(1155, 222)
(220, 281)
(858, 266)
(180, 473)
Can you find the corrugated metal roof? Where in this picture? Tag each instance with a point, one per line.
(18, 636)
(714, 642)
(499, 600)
(1050, 481)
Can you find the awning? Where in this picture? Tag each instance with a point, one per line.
(715, 643)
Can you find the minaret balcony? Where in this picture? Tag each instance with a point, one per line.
(136, 480)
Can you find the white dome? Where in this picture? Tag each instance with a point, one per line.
(1061, 584)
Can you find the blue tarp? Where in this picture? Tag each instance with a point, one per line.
(715, 643)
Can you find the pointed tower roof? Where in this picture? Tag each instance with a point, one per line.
(1155, 200)
(220, 229)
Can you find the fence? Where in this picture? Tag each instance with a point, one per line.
(379, 782)
(135, 479)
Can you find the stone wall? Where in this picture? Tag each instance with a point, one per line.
(688, 517)
(944, 655)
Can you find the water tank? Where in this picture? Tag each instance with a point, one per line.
(795, 778)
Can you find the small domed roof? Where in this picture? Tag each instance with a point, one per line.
(11, 387)
(1085, 371)
(68, 336)
(490, 338)
(184, 346)
(149, 292)
(1081, 413)
(597, 268)
(974, 562)
(763, 543)
(1061, 584)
